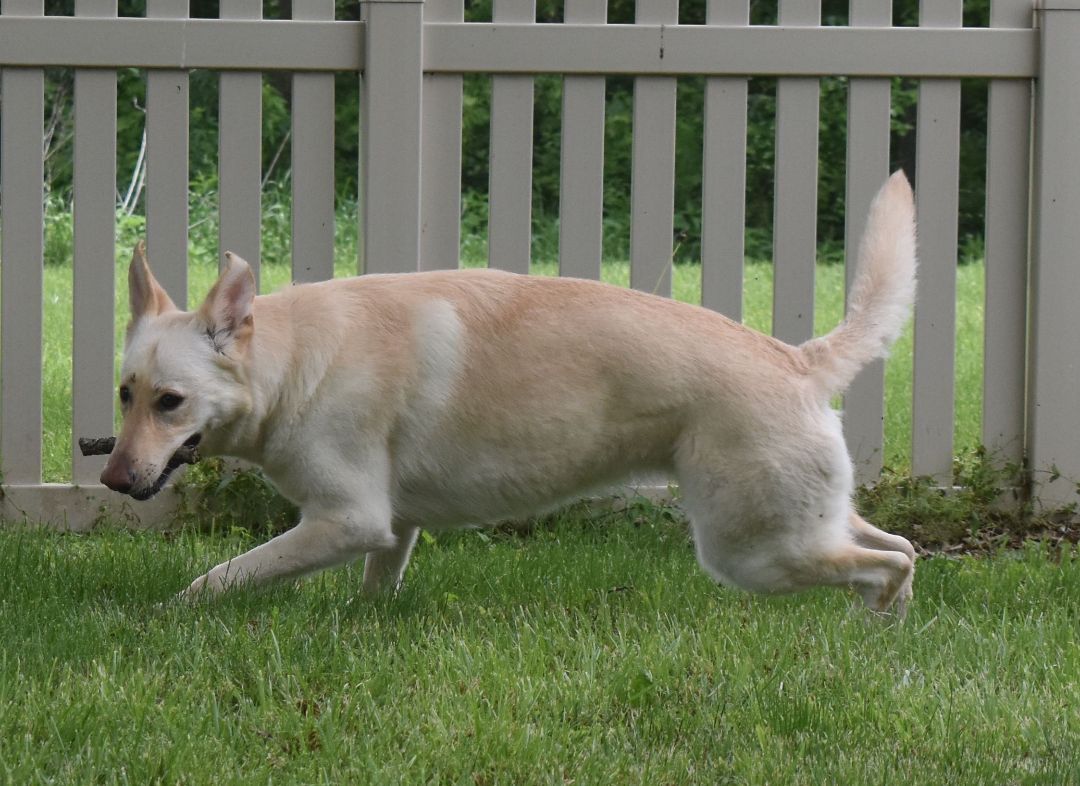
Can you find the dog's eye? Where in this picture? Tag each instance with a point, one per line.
(170, 401)
(125, 394)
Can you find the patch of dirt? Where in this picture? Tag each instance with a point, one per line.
(992, 540)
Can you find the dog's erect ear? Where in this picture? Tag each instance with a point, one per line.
(146, 295)
(227, 310)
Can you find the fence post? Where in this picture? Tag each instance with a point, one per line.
(1054, 366)
(391, 102)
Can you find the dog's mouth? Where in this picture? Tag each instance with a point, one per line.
(174, 462)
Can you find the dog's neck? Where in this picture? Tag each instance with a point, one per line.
(281, 372)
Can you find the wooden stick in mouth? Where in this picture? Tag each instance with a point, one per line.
(103, 446)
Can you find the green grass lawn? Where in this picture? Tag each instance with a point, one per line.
(589, 653)
(686, 286)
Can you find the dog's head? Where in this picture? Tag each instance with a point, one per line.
(184, 373)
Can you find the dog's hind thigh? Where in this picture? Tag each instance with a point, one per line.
(384, 569)
(762, 537)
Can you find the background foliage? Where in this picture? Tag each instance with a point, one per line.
(548, 96)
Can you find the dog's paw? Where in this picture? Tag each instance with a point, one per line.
(884, 606)
(899, 606)
(903, 598)
(200, 588)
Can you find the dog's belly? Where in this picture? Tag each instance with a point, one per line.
(476, 484)
(482, 501)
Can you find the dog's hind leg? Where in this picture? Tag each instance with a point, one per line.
(776, 540)
(384, 569)
(866, 534)
(882, 578)
(798, 560)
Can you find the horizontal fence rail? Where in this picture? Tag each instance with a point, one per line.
(515, 48)
(225, 44)
(413, 58)
(684, 50)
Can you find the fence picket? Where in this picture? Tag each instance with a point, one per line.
(937, 200)
(869, 104)
(440, 209)
(22, 250)
(240, 152)
(723, 208)
(313, 163)
(1008, 131)
(510, 167)
(167, 166)
(795, 202)
(652, 178)
(94, 206)
(581, 181)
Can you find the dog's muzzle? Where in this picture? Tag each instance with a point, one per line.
(162, 479)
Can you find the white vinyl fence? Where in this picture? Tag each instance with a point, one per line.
(412, 56)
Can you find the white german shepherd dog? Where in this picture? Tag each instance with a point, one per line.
(387, 403)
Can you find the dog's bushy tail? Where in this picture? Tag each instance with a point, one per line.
(881, 295)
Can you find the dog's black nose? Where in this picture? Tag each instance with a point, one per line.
(118, 479)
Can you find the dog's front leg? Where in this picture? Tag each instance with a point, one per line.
(321, 540)
(384, 569)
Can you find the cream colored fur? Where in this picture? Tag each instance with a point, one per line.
(384, 404)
